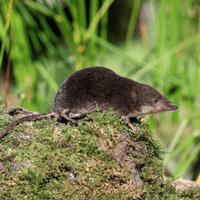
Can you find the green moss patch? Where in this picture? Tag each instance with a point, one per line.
(102, 158)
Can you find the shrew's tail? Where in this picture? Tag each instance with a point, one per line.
(27, 118)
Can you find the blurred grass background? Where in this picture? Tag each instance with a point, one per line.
(152, 42)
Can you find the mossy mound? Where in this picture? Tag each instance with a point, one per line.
(102, 158)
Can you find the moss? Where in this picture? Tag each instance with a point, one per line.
(82, 162)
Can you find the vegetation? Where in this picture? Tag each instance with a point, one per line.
(47, 161)
(50, 41)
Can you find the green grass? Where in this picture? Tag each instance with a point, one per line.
(168, 60)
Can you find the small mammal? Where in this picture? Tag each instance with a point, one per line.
(84, 90)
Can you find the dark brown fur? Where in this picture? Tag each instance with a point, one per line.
(84, 90)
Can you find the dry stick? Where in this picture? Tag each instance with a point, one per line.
(7, 83)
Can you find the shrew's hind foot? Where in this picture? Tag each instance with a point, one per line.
(134, 128)
(65, 113)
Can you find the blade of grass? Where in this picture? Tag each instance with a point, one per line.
(96, 20)
(4, 40)
(66, 29)
(6, 30)
(82, 20)
(94, 5)
(186, 160)
(166, 55)
(131, 28)
(103, 35)
(186, 32)
(26, 14)
(161, 68)
(132, 22)
(34, 39)
(47, 77)
(190, 140)
(116, 50)
(174, 35)
(7, 83)
(187, 145)
(42, 9)
(195, 81)
(77, 34)
(175, 141)
(61, 20)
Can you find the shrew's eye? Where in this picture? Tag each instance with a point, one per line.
(155, 100)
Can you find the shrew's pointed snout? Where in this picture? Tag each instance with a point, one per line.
(170, 106)
(174, 107)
